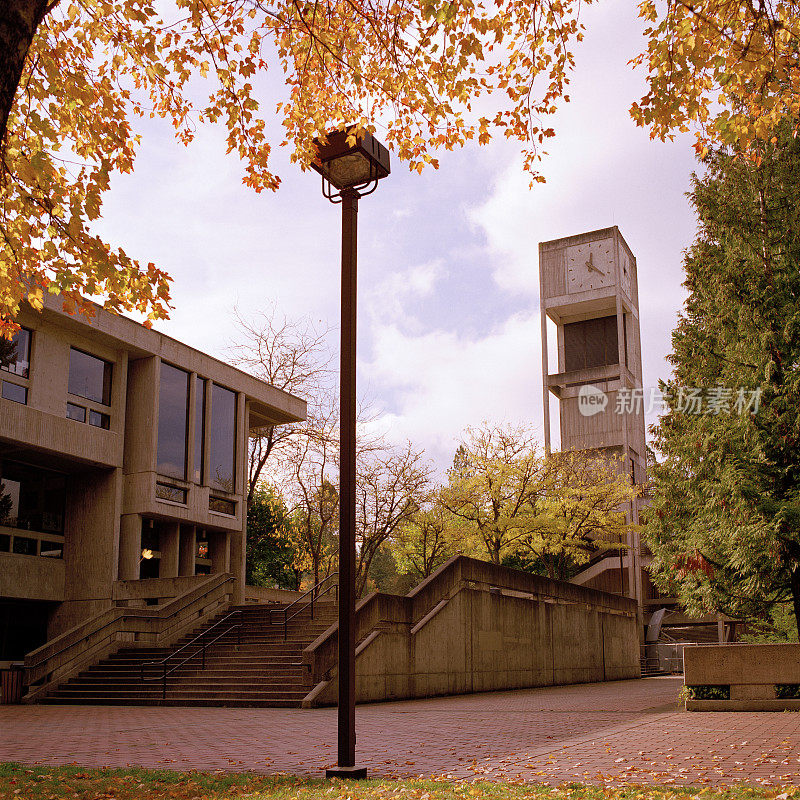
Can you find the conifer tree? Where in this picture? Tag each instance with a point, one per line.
(725, 522)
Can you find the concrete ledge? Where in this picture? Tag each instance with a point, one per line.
(743, 705)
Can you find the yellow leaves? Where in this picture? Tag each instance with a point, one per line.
(729, 75)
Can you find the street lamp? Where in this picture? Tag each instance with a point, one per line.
(349, 171)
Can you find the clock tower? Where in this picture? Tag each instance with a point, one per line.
(589, 296)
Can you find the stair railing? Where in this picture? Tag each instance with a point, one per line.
(315, 593)
(164, 661)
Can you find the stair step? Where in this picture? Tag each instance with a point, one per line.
(251, 665)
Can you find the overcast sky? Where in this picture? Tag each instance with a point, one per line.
(448, 262)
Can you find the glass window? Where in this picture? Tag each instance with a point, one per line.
(172, 493)
(5, 542)
(98, 419)
(223, 439)
(89, 377)
(78, 413)
(51, 549)
(221, 505)
(24, 546)
(173, 420)
(199, 427)
(31, 498)
(11, 391)
(17, 361)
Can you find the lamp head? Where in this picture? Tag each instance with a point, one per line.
(351, 166)
(147, 554)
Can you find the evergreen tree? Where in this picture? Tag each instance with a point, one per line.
(725, 522)
(272, 560)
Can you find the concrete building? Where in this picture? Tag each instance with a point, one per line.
(589, 290)
(122, 459)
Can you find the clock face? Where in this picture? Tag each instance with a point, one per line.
(590, 266)
(626, 274)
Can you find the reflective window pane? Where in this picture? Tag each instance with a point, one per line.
(17, 359)
(173, 420)
(99, 420)
(172, 493)
(78, 413)
(32, 498)
(89, 377)
(222, 433)
(18, 394)
(221, 505)
(51, 549)
(199, 427)
(24, 546)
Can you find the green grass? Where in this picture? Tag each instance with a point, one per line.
(18, 782)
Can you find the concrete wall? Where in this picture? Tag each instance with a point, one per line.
(751, 670)
(477, 627)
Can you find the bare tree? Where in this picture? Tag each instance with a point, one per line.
(310, 469)
(391, 484)
(294, 357)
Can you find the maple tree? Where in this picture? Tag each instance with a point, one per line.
(74, 75)
(496, 474)
(427, 539)
(581, 513)
(725, 67)
(516, 503)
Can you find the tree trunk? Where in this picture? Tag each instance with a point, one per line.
(796, 597)
(19, 20)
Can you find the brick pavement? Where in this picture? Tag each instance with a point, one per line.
(626, 731)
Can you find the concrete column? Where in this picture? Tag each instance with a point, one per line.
(237, 551)
(169, 544)
(219, 545)
(188, 550)
(130, 547)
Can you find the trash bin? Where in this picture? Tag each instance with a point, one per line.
(11, 684)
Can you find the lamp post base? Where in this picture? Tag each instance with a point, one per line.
(353, 773)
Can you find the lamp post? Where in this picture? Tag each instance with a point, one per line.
(349, 171)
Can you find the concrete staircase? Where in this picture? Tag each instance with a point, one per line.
(264, 670)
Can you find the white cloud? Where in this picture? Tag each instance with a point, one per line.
(442, 382)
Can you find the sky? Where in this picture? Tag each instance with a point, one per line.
(448, 326)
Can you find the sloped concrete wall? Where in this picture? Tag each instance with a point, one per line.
(479, 636)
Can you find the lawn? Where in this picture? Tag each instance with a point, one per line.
(54, 783)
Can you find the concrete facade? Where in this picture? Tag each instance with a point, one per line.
(122, 474)
(475, 627)
(589, 293)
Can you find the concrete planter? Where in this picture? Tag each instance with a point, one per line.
(753, 671)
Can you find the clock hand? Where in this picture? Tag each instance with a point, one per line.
(590, 265)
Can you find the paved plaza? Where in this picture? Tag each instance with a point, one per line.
(626, 731)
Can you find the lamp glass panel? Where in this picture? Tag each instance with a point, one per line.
(349, 170)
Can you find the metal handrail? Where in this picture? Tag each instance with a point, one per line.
(315, 595)
(163, 662)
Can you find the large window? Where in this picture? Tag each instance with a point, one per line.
(17, 362)
(591, 343)
(222, 461)
(199, 427)
(89, 377)
(173, 421)
(31, 498)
